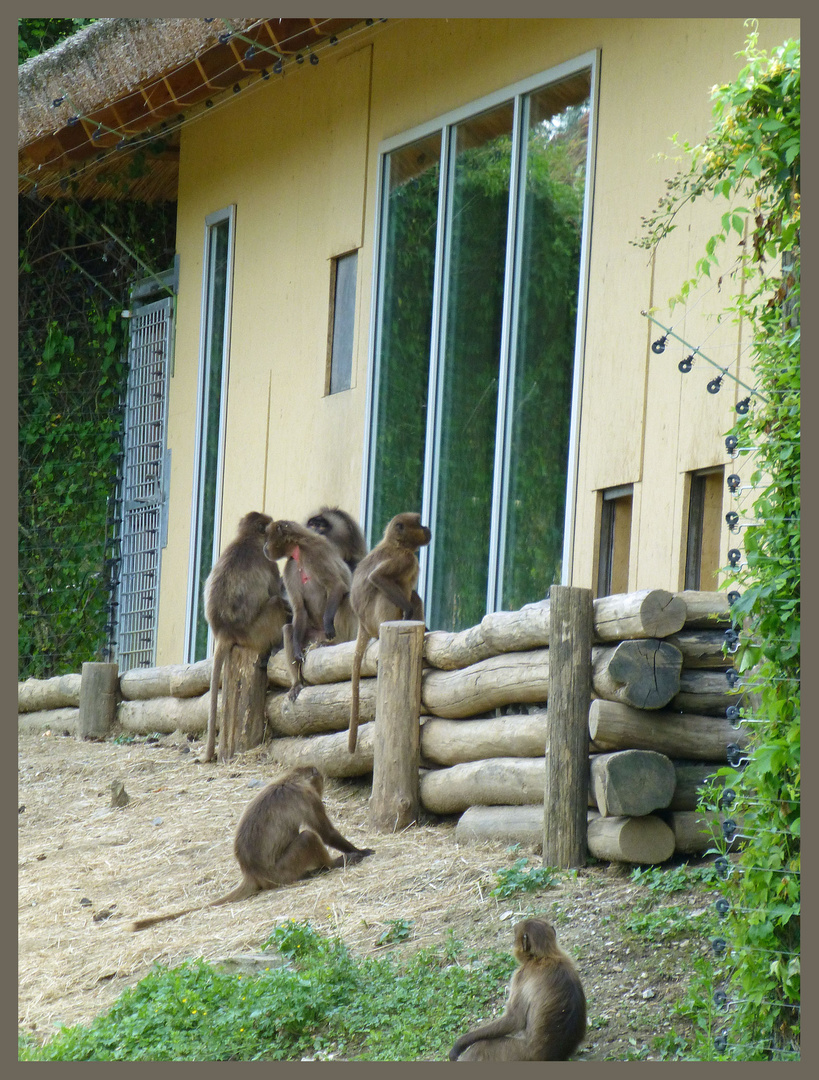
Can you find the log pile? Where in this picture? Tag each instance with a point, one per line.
(657, 721)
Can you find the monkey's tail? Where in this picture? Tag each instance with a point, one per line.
(241, 892)
(216, 672)
(360, 645)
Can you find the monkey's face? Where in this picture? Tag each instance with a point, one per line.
(319, 523)
(407, 530)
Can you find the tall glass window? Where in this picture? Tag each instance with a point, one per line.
(477, 324)
(210, 420)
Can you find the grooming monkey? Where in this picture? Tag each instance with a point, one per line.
(280, 839)
(244, 606)
(383, 589)
(317, 580)
(545, 1017)
(343, 530)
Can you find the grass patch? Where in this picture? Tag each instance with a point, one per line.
(324, 1004)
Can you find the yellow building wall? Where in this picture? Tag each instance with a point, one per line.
(298, 155)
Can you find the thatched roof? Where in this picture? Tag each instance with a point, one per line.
(119, 85)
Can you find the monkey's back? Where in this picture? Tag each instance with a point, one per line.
(560, 1013)
(368, 602)
(237, 589)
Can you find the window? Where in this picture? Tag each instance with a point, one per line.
(478, 324)
(704, 529)
(615, 541)
(342, 323)
(210, 420)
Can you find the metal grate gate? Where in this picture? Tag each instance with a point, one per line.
(144, 485)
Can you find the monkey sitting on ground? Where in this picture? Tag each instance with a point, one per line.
(383, 589)
(343, 531)
(317, 581)
(280, 839)
(244, 606)
(545, 1018)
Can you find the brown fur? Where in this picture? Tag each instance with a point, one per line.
(383, 589)
(280, 839)
(318, 587)
(244, 606)
(342, 530)
(545, 1018)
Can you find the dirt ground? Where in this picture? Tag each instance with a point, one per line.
(86, 869)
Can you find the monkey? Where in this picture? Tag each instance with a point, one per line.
(244, 606)
(343, 530)
(545, 1017)
(383, 589)
(281, 838)
(317, 581)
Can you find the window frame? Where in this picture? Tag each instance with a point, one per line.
(446, 124)
(197, 571)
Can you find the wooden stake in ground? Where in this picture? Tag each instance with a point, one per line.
(98, 700)
(244, 683)
(395, 801)
(565, 802)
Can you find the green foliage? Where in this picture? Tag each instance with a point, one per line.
(520, 877)
(72, 285)
(662, 880)
(36, 35)
(752, 154)
(324, 1003)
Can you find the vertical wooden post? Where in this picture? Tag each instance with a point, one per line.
(244, 685)
(396, 800)
(98, 699)
(565, 801)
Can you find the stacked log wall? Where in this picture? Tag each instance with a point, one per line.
(657, 721)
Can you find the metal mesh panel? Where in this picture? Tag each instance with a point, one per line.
(144, 487)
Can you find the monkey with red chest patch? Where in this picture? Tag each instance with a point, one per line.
(317, 581)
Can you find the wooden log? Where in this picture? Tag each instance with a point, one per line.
(37, 695)
(706, 609)
(395, 801)
(650, 613)
(513, 781)
(98, 699)
(324, 664)
(448, 742)
(509, 824)
(449, 651)
(694, 831)
(565, 798)
(55, 720)
(164, 715)
(327, 752)
(630, 839)
(176, 680)
(630, 783)
(644, 673)
(244, 686)
(318, 709)
(691, 778)
(510, 679)
(701, 648)
(613, 726)
(705, 692)
(517, 631)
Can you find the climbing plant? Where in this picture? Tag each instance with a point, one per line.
(751, 161)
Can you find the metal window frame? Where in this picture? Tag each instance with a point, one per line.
(517, 93)
(196, 579)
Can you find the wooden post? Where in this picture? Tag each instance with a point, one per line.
(244, 684)
(98, 700)
(395, 801)
(565, 801)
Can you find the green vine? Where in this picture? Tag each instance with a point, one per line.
(752, 155)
